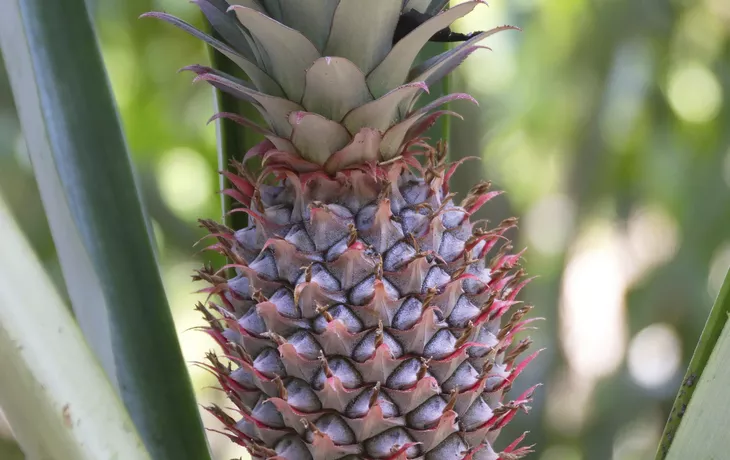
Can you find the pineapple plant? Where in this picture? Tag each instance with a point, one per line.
(367, 316)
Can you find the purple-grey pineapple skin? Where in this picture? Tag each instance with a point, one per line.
(368, 317)
(367, 314)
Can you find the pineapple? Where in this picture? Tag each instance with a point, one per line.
(364, 317)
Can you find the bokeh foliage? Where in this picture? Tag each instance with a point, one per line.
(606, 121)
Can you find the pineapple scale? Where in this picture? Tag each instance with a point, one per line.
(365, 318)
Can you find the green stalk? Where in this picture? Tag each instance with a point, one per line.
(446, 89)
(700, 415)
(56, 398)
(232, 141)
(61, 89)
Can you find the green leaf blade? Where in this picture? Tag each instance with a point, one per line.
(87, 158)
(699, 419)
(78, 416)
(83, 285)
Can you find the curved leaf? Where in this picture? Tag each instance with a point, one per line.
(260, 78)
(226, 25)
(393, 71)
(253, 4)
(394, 138)
(316, 137)
(703, 432)
(697, 425)
(313, 18)
(73, 134)
(275, 110)
(436, 67)
(82, 283)
(363, 31)
(381, 113)
(362, 149)
(288, 53)
(56, 397)
(334, 86)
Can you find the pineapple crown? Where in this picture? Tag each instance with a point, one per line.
(329, 77)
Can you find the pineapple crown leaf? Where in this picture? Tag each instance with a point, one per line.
(333, 83)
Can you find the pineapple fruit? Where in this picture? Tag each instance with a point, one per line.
(364, 317)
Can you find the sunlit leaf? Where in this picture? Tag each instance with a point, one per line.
(57, 399)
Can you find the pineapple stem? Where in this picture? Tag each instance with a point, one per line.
(446, 89)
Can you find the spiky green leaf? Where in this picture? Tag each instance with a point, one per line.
(288, 53)
(60, 86)
(363, 31)
(380, 113)
(260, 78)
(393, 70)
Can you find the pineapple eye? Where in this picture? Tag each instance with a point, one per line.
(269, 363)
(366, 348)
(405, 375)
(340, 368)
(463, 312)
(305, 345)
(341, 313)
(292, 447)
(252, 323)
(408, 314)
(476, 415)
(382, 445)
(449, 449)
(441, 345)
(465, 376)
(360, 406)
(428, 413)
(301, 396)
(284, 301)
(333, 426)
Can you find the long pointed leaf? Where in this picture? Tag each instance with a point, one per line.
(259, 77)
(63, 94)
(57, 399)
(393, 70)
(699, 420)
(363, 31)
(82, 283)
(289, 53)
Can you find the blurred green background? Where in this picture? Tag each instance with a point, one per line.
(606, 121)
